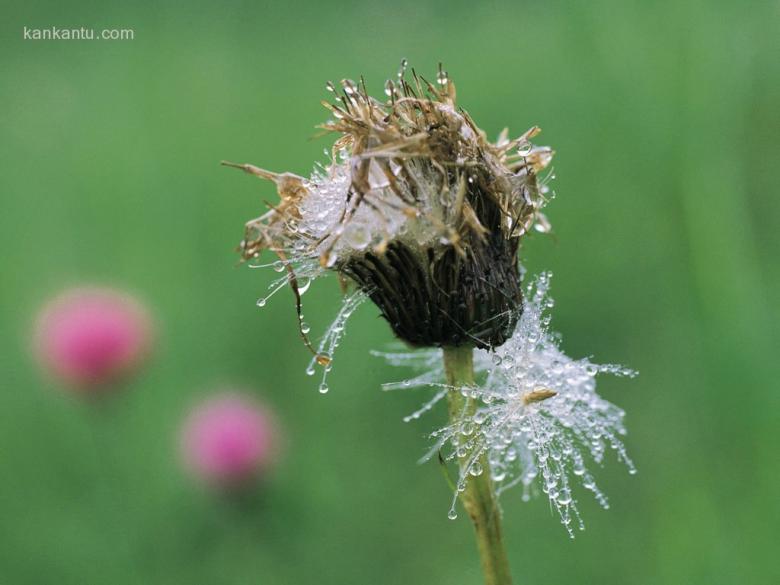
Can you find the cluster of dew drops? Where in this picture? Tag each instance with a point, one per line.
(542, 443)
(305, 273)
(335, 331)
(332, 338)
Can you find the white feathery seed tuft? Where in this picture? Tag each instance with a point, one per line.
(538, 419)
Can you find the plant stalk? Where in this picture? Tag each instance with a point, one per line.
(478, 499)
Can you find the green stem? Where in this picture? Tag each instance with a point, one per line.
(479, 498)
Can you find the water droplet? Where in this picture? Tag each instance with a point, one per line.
(466, 428)
(542, 227)
(305, 328)
(261, 302)
(310, 371)
(498, 475)
(441, 76)
(452, 515)
(324, 388)
(359, 237)
(496, 359)
(278, 266)
(402, 70)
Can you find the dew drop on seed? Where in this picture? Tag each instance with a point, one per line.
(359, 237)
(402, 70)
(442, 77)
(498, 476)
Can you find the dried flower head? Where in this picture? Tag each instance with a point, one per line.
(417, 208)
(537, 415)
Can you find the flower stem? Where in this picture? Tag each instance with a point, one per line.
(479, 498)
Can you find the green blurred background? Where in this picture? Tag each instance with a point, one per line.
(666, 124)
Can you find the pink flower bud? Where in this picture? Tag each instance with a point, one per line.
(92, 337)
(228, 440)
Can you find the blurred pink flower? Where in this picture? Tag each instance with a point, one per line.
(229, 439)
(91, 337)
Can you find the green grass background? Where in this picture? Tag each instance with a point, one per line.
(666, 124)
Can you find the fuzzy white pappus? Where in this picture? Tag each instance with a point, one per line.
(538, 419)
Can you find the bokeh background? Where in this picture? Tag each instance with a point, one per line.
(666, 124)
